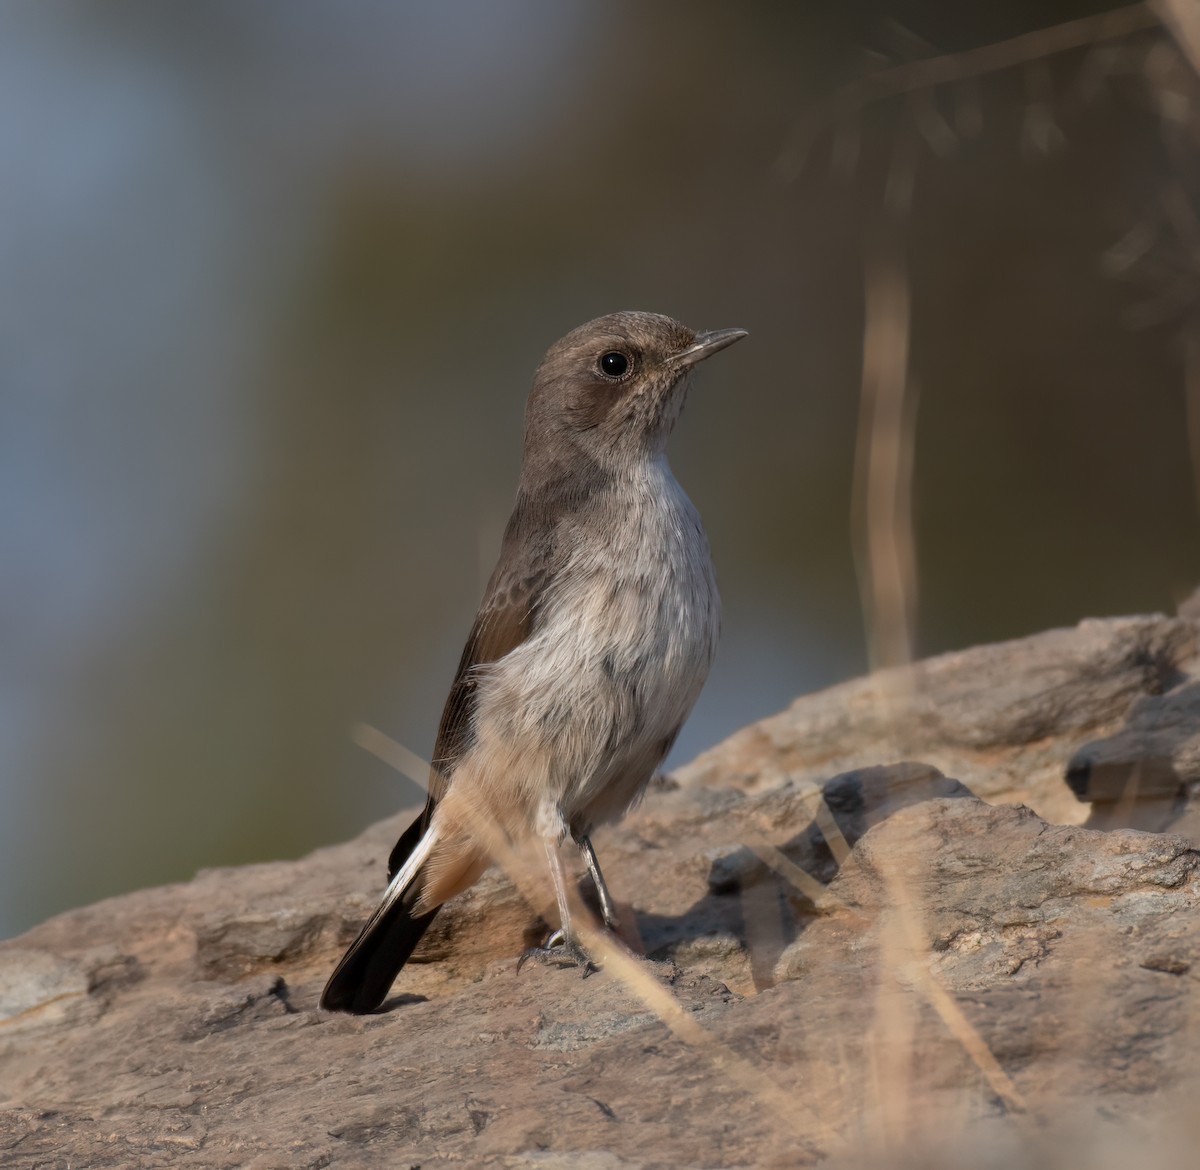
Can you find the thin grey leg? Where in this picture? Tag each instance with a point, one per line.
(608, 908)
(560, 889)
(562, 947)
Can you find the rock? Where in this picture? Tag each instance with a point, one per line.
(1003, 719)
(1147, 773)
(826, 959)
(41, 989)
(997, 894)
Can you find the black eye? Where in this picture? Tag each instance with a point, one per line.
(614, 364)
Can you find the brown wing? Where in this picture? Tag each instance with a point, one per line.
(505, 619)
(507, 615)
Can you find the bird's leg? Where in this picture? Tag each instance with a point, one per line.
(562, 947)
(560, 890)
(608, 908)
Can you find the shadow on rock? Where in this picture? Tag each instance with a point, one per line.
(1146, 775)
(758, 899)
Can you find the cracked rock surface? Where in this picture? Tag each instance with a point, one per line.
(875, 913)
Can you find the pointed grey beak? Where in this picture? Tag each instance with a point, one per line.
(706, 344)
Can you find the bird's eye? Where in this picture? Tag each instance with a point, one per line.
(614, 364)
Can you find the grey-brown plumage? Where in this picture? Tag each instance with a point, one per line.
(591, 644)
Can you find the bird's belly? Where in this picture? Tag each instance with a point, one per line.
(589, 706)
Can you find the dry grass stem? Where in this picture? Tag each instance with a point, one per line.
(778, 861)
(394, 754)
(882, 515)
(930, 72)
(1182, 19)
(915, 964)
(1191, 378)
(762, 919)
(834, 838)
(881, 503)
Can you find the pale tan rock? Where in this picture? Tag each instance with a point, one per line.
(880, 953)
(1003, 719)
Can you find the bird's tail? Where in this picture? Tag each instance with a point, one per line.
(361, 981)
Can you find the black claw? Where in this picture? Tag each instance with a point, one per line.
(560, 951)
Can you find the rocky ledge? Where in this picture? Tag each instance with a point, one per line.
(905, 916)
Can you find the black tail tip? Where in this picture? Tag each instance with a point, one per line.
(355, 1000)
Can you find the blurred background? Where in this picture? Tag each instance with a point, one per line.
(274, 279)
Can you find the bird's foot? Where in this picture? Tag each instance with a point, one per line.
(560, 950)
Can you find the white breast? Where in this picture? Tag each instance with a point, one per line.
(630, 627)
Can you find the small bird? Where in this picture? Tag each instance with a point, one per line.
(593, 639)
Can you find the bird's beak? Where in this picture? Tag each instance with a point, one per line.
(705, 345)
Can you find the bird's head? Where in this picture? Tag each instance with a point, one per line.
(613, 388)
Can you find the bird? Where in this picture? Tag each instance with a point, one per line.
(595, 634)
